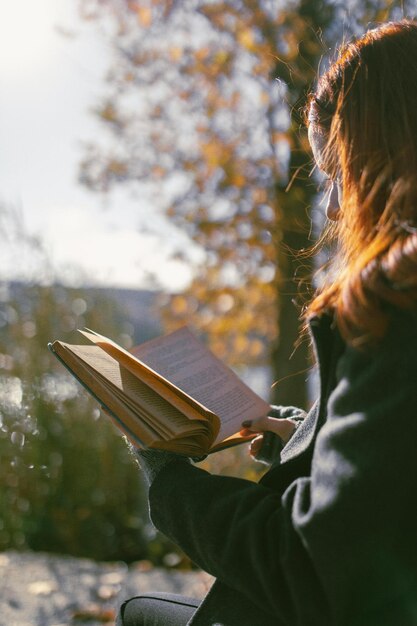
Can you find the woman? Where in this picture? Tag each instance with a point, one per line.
(329, 536)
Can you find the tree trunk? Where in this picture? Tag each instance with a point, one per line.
(290, 355)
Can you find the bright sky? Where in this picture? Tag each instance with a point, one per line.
(51, 70)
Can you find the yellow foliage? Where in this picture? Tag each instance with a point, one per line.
(144, 16)
(265, 98)
(278, 136)
(202, 54)
(225, 302)
(108, 112)
(218, 347)
(256, 348)
(234, 99)
(157, 112)
(241, 303)
(158, 171)
(175, 53)
(259, 195)
(240, 344)
(117, 168)
(221, 57)
(179, 305)
(237, 179)
(246, 38)
(213, 153)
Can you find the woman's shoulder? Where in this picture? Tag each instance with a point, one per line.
(393, 357)
(402, 324)
(400, 339)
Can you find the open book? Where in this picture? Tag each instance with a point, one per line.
(169, 393)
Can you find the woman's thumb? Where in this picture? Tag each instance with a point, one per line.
(284, 428)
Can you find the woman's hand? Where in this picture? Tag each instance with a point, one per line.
(284, 428)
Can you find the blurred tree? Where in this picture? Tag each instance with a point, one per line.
(67, 480)
(203, 113)
(68, 483)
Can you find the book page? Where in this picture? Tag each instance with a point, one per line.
(184, 360)
(184, 402)
(133, 389)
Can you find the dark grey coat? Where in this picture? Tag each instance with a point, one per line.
(329, 536)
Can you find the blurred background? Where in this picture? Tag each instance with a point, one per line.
(155, 171)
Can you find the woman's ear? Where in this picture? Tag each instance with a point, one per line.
(333, 202)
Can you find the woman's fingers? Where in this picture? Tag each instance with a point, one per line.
(256, 445)
(284, 428)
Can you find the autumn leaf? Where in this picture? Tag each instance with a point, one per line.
(94, 613)
(246, 38)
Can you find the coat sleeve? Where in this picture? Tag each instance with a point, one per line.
(340, 545)
(270, 451)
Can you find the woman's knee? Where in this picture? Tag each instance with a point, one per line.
(157, 609)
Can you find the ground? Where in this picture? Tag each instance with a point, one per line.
(38, 589)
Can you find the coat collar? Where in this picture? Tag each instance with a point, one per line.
(328, 347)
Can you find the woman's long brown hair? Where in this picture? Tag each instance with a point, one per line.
(366, 105)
